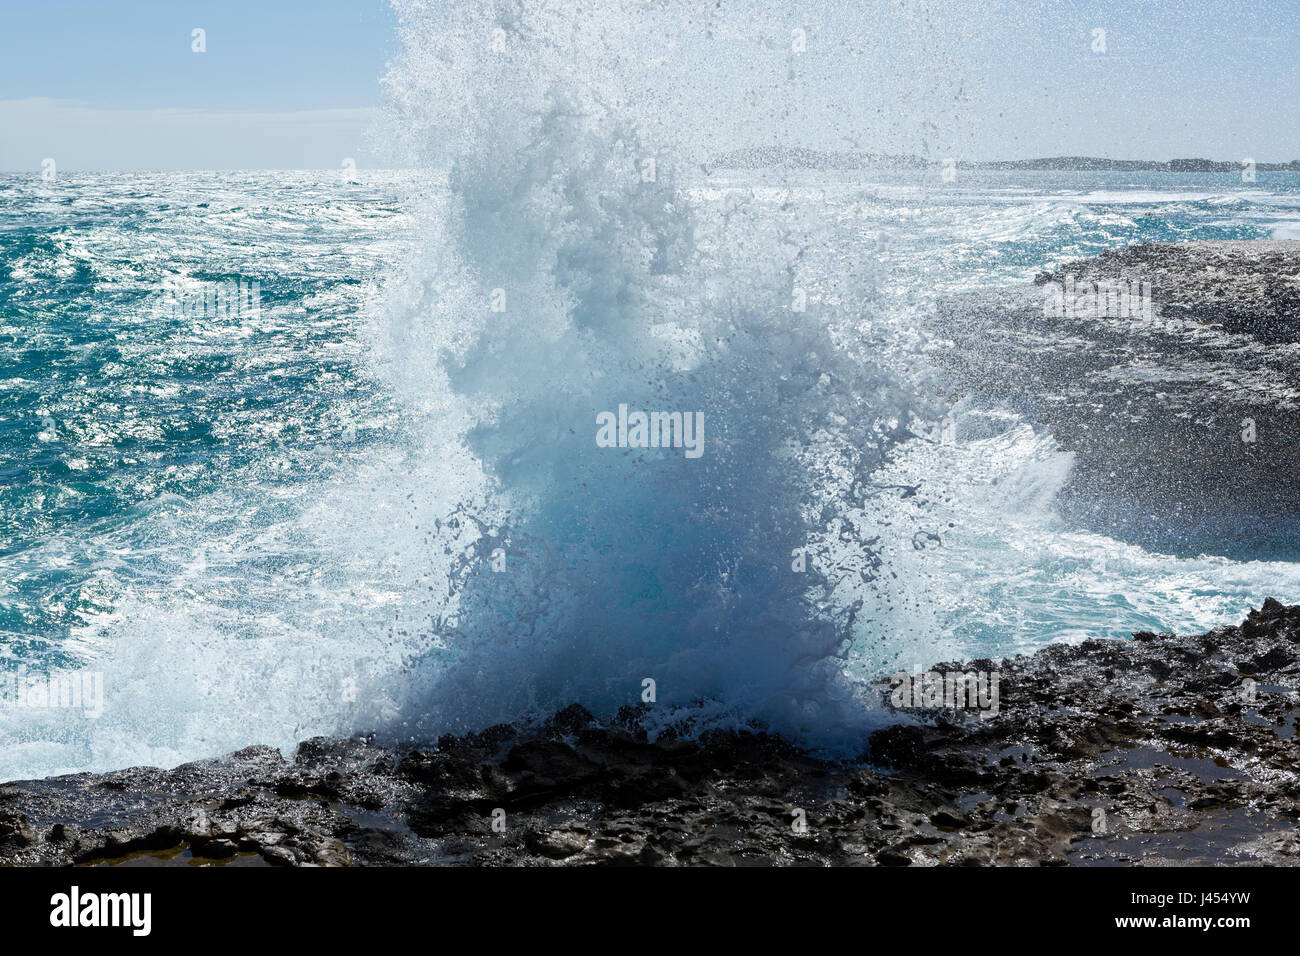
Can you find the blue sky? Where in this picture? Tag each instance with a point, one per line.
(294, 84)
(116, 85)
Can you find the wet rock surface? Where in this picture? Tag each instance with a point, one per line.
(1155, 750)
(1182, 416)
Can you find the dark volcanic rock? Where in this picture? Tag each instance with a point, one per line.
(1161, 749)
(1184, 416)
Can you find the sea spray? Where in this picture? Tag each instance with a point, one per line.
(256, 540)
(558, 282)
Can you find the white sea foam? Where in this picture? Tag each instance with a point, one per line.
(364, 593)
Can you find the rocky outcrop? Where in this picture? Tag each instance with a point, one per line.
(1182, 415)
(1160, 749)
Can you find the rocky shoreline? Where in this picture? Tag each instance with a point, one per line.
(1180, 401)
(1157, 750)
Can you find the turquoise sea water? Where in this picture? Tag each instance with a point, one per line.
(254, 521)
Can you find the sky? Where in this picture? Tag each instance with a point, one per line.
(116, 85)
(295, 84)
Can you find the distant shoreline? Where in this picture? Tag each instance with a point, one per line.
(802, 158)
(768, 157)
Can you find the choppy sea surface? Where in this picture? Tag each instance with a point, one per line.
(266, 518)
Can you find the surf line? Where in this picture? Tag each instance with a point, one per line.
(651, 430)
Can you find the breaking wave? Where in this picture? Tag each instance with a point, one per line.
(565, 273)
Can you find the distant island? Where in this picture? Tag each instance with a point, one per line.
(798, 157)
(1133, 165)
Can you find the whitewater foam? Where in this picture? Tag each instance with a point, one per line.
(444, 543)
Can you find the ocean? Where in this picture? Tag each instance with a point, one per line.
(288, 454)
(271, 515)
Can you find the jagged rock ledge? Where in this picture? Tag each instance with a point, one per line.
(1160, 749)
(1170, 370)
